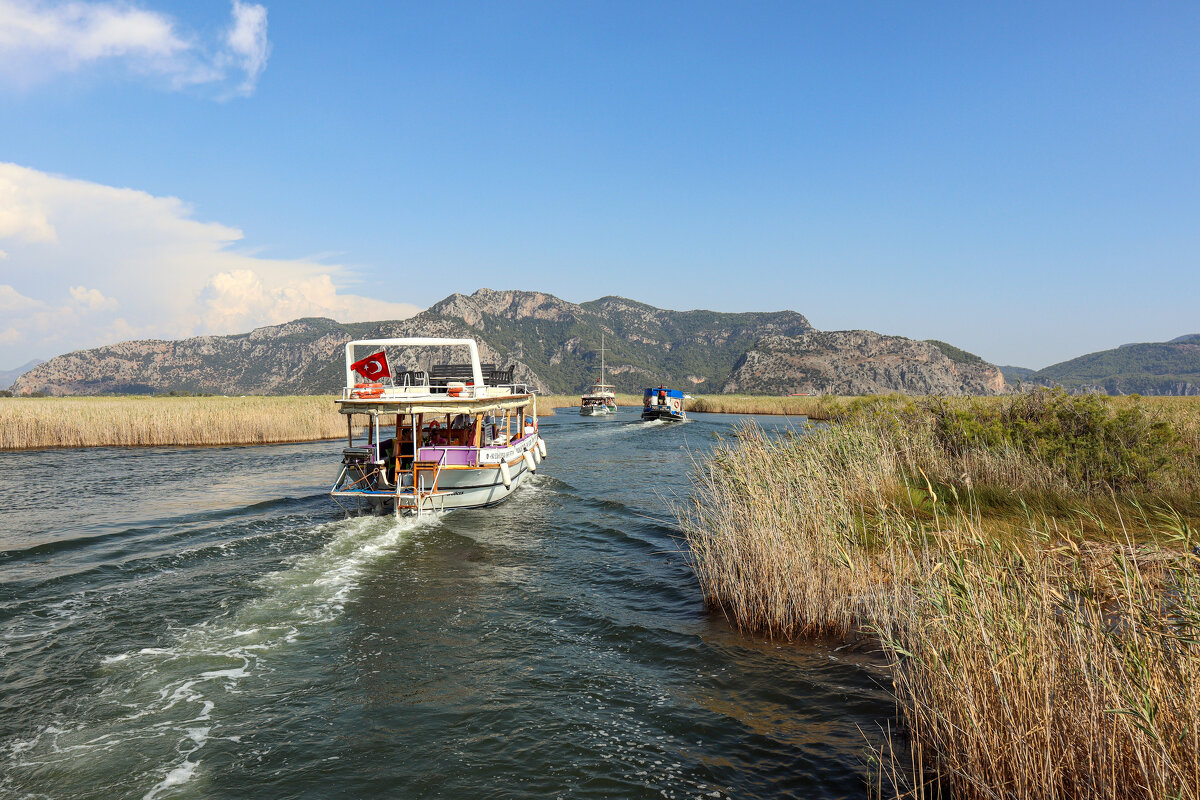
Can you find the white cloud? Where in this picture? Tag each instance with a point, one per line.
(21, 217)
(91, 299)
(40, 39)
(247, 42)
(12, 301)
(167, 275)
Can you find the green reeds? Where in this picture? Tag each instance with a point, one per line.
(1043, 628)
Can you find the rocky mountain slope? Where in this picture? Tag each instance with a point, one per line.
(860, 362)
(553, 344)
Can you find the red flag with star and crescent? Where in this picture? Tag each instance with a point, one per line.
(373, 367)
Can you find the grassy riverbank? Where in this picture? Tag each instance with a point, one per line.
(143, 421)
(815, 407)
(1025, 563)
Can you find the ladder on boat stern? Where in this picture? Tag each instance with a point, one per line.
(421, 495)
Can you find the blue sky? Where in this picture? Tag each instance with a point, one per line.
(1021, 180)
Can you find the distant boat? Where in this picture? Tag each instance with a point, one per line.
(663, 403)
(600, 399)
(461, 437)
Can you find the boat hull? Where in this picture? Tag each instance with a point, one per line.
(458, 488)
(477, 483)
(594, 411)
(651, 414)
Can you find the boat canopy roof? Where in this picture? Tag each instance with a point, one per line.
(472, 398)
(668, 392)
(435, 404)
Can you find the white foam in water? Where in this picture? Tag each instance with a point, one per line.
(176, 777)
(157, 691)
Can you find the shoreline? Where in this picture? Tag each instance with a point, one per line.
(43, 423)
(40, 423)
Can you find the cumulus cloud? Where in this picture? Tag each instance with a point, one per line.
(126, 264)
(21, 217)
(11, 300)
(40, 39)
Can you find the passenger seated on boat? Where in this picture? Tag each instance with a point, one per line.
(437, 435)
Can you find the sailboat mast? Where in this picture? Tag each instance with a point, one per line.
(603, 376)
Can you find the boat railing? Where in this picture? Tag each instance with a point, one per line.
(469, 391)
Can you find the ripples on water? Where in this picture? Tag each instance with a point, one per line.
(206, 623)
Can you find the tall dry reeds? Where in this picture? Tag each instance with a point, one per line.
(777, 534)
(815, 407)
(1040, 648)
(1066, 672)
(139, 421)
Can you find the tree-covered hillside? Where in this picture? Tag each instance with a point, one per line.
(1156, 368)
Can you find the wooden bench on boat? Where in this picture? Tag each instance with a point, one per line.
(441, 374)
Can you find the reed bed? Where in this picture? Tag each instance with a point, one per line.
(815, 407)
(1039, 607)
(27, 423)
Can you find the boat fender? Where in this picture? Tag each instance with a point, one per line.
(505, 475)
(529, 462)
(542, 447)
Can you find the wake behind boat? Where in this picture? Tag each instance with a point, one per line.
(460, 438)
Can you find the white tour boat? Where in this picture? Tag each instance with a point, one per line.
(454, 437)
(600, 398)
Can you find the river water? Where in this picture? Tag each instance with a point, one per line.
(207, 623)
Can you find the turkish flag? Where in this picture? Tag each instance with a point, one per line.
(373, 367)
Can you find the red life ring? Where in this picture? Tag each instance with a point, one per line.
(367, 390)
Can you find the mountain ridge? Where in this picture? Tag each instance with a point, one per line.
(1147, 368)
(553, 345)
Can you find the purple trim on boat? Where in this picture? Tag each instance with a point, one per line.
(455, 456)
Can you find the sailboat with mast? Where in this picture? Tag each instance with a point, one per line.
(600, 399)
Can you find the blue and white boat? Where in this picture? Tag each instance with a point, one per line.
(663, 403)
(430, 445)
